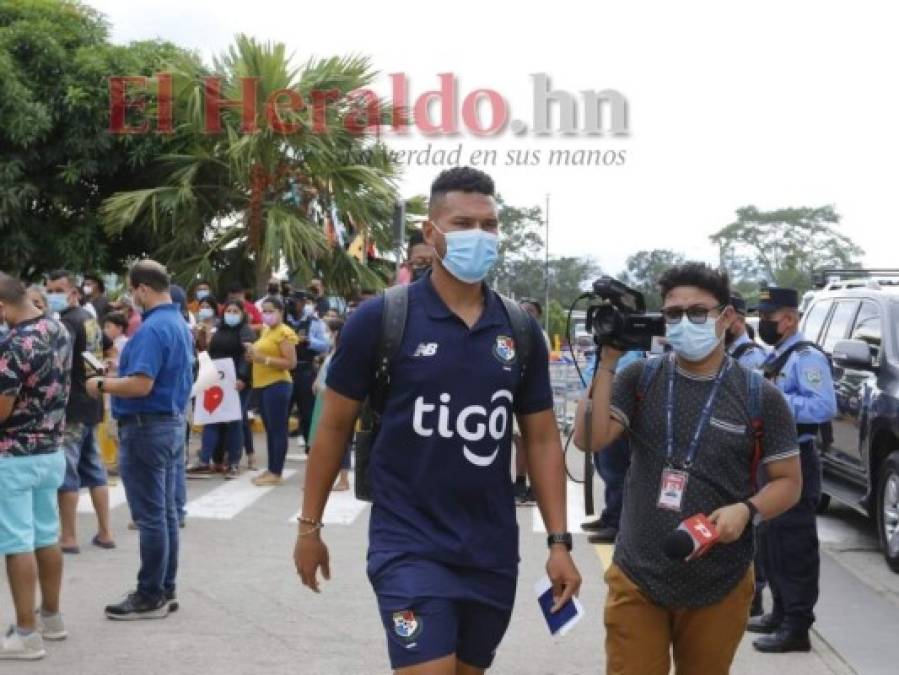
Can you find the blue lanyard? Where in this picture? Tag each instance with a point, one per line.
(704, 417)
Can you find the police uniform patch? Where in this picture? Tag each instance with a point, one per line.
(406, 625)
(814, 376)
(504, 349)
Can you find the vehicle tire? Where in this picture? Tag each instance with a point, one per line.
(888, 509)
(823, 503)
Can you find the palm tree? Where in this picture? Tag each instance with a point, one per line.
(243, 204)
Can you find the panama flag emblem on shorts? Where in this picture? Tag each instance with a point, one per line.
(504, 349)
(406, 624)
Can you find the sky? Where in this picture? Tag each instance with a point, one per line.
(729, 104)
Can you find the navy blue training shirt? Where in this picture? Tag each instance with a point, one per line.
(441, 464)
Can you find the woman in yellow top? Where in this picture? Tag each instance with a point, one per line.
(273, 356)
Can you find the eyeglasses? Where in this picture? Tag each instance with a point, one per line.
(696, 314)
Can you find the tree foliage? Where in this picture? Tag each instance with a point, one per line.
(643, 270)
(58, 161)
(256, 201)
(785, 246)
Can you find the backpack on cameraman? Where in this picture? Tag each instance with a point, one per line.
(393, 325)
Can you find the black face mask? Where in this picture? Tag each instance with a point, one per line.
(274, 289)
(419, 272)
(729, 338)
(769, 333)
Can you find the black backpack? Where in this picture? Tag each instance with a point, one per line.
(393, 325)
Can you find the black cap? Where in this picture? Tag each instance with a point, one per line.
(738, 303)
(772, 298)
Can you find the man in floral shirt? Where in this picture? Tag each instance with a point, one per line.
(35, 362)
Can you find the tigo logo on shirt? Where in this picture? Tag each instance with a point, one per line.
(466, 424)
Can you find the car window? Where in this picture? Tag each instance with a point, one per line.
(814, 319)
(840, 321)
(868, 327)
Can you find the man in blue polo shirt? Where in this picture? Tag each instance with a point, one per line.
(443, 549)
(148, 400)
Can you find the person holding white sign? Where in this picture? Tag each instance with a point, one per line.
(227, 342)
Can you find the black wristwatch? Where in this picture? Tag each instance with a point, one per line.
(563, 538)
(755, 517)
(100, 384)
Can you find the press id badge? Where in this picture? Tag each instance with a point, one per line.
(671, 493)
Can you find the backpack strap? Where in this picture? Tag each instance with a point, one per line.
(756, 382)
(772, 370)
(741, 351)
(650, 369)
(522, 332)
(393, 325)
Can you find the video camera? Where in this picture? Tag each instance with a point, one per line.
(620, 319)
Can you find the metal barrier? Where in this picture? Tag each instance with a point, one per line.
(567, 391)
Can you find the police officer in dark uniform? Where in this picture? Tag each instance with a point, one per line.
(313, 341)
(739, 345)
(790, 543)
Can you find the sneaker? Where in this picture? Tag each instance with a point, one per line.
(135, 607)
(232, 472)
(51, 627)
(519, 489)
(251, 462)
(22, 647)
(172, 600)
(267, 479)
(198, 471)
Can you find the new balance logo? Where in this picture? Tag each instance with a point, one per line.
(426, 349)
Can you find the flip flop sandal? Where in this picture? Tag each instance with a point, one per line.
(102, 544)
(72, 550)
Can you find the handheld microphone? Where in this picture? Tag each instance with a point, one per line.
(692, 539)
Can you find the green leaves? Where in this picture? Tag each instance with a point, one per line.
(784, 246)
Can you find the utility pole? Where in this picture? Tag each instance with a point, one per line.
(546, 268)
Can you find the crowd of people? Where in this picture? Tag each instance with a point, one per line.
(446, 365)
(93, 386)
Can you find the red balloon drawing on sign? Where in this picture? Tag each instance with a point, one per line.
(212, 398)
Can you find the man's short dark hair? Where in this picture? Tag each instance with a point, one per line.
(11, 290)
(149, 273)
(56, 275)
(700, 275)
(460, 179)
(416, 238)
(236, 287)
(117, 319)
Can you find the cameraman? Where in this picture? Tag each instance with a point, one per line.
(690, 432)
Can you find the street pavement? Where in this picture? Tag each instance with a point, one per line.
(243, 610)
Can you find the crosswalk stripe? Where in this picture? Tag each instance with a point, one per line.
(342, 509)
(575, 509)
(116, 498)
(225, 502)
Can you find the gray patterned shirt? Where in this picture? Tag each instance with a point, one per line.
(720, 475)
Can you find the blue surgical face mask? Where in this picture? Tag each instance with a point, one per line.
(693, 341)
(202, 294)
(57, 302)
(470, 254)
(206, 313)
(232, 320)
(308, 311)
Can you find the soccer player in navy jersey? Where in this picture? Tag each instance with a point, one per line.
(443, 538)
